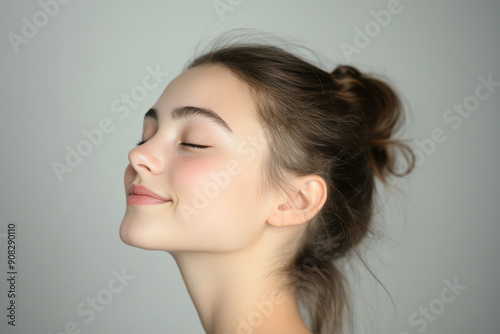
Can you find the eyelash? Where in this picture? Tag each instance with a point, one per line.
(185, 144)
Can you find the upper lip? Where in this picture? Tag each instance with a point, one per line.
(137, 189)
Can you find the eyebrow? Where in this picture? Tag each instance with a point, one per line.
(188, 111)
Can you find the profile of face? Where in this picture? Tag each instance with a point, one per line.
(202, 152)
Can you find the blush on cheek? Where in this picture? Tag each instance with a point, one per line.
(223, 213)
(193, 173)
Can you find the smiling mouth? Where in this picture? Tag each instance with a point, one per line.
(140, 195)
(139, 199)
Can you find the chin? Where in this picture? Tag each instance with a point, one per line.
(133, 238)
(139, 234)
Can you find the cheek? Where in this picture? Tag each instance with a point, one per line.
(192, 183)
(217, 202)
(190, 173)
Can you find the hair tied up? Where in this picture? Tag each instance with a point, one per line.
(378, 103)
(346, 71)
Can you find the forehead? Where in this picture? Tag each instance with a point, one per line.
(217, 88)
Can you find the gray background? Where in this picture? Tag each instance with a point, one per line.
(445, 226)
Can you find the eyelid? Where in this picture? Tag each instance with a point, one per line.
(195, 145)
(185, 144)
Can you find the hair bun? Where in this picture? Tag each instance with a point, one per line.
(374, 99)
(343, 71)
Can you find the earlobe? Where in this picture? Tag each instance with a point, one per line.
(306, 202)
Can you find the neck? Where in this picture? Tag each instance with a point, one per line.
(232, 292)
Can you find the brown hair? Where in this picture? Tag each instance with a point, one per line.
(337, 125)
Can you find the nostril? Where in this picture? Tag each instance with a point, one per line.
(144, 166)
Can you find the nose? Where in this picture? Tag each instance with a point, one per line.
(146, 158)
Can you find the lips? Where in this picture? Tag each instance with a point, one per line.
(140, 195)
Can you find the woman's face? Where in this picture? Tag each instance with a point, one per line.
(212, 193)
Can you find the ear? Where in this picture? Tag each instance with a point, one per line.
(308, 198)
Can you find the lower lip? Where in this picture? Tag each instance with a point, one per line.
(144, 200)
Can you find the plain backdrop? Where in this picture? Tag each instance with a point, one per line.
(63, 68)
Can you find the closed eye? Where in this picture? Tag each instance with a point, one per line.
(185, 144)
(194, 145)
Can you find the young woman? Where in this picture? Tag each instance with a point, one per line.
(256, 172)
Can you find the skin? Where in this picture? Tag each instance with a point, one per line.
(227, 249)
